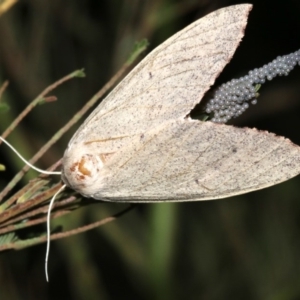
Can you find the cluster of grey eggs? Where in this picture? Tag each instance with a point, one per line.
(231, 99)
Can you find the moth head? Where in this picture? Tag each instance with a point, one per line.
(81, 171)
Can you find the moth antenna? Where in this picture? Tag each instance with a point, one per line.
(27, 162)
(48, 230)
(51, 202)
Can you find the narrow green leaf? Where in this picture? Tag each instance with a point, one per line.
(139, 47)
(78, 73)
(8, 238)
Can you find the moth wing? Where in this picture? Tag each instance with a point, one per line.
(188, 160)
(169, 82)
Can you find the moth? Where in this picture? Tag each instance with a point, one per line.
(140, 144)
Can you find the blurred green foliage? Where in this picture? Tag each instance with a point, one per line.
(247, 247)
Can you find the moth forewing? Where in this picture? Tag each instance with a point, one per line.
(169, 82)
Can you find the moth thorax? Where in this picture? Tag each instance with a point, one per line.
(81, 172)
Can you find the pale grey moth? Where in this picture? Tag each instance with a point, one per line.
(140, 145)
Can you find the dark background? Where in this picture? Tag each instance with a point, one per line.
(245, 247)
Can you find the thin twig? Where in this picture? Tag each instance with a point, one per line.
(91, 226)
(3, 87)
(52, 168)
(29, 186)
(66, 204)
(35, 241)
(6, 5)
(36, 101)
(12, 228)
(21, 207)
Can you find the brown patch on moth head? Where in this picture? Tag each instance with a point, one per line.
(73, 167)
(76, 170)
(83, 172)
(82, 169)
(80, 177)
